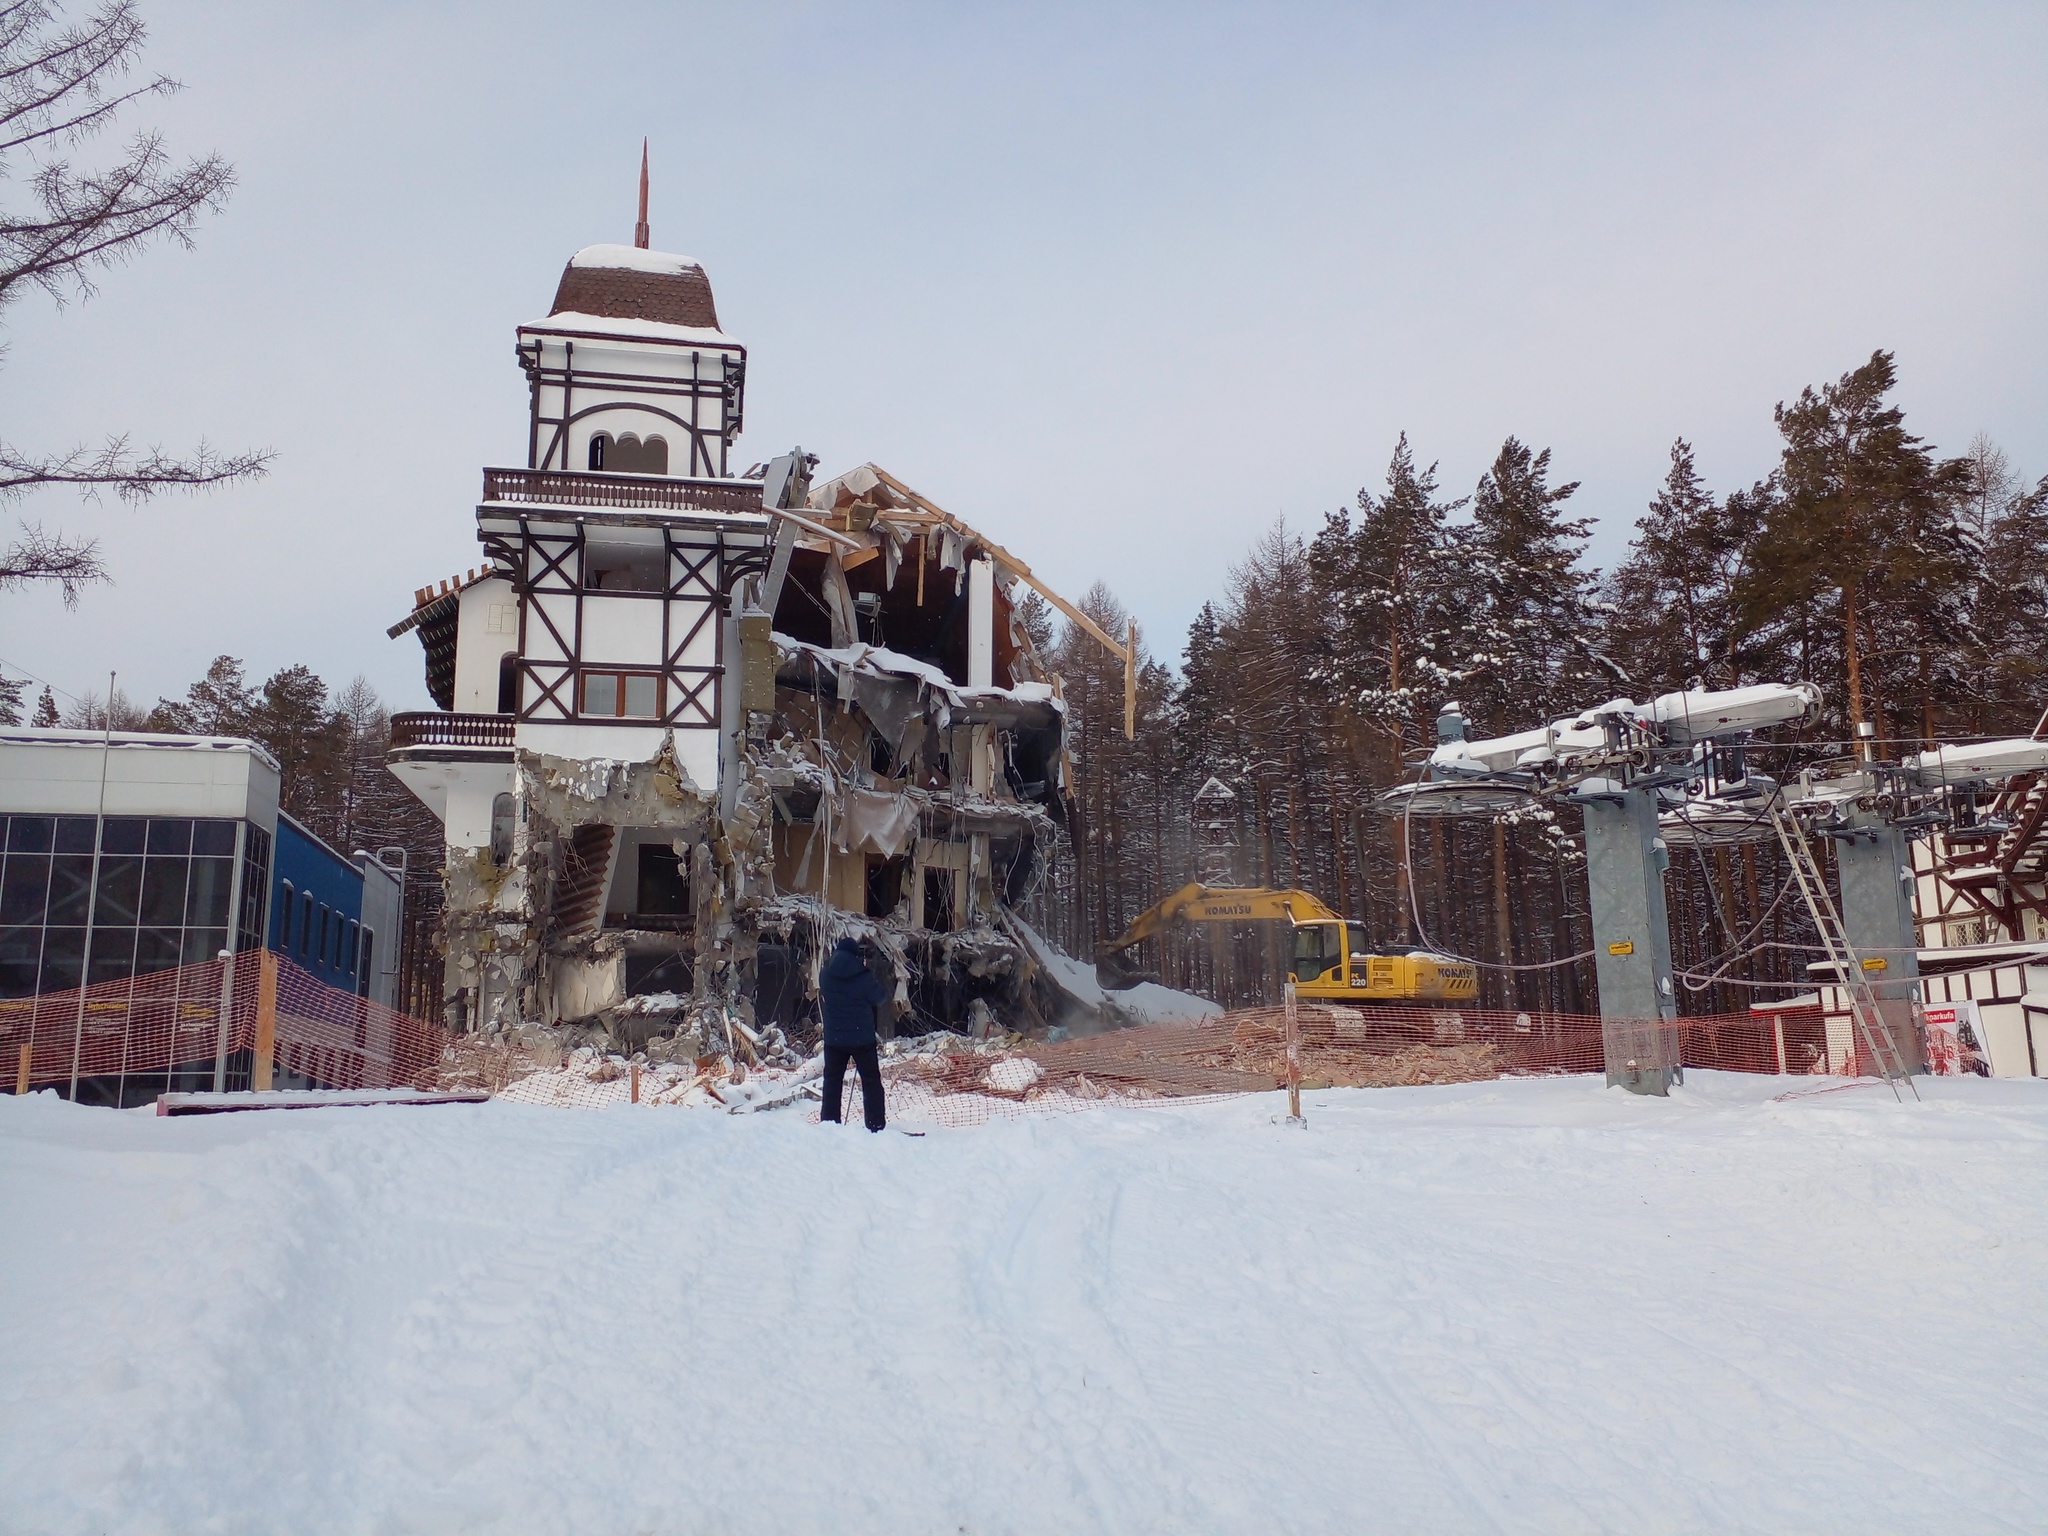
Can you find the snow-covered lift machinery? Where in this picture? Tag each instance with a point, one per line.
(1615, 762)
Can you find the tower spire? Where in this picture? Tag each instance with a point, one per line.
(640, 229)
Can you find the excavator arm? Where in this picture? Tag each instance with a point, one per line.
(1220, 904)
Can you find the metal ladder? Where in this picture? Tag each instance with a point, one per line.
(1834, 939)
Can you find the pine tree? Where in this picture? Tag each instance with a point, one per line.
(46, 710)
(1870, 539)
(292, 719)
(11, 690)
(1668, 620)
(219, 704)
(1395, 580)
(1534, 619)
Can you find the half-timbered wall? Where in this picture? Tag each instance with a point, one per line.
(687, 393)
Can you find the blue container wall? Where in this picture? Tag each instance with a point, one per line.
(316, 907)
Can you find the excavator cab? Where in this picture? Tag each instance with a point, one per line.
(1328, 951)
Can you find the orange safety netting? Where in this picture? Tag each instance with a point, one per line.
(125, 1041)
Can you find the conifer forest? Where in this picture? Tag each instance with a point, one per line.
(1909, 585)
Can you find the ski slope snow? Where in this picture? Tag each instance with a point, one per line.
(1512, 1306)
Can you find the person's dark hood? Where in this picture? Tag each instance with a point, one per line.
(845, 960)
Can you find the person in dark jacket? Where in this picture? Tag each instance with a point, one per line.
(848, 996)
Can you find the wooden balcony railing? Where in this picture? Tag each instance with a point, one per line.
(431, 728)
(660, 493)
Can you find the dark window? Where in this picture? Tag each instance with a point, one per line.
(206, 902)
(599, 443)
(283, 937)
(63, 956)
(217, 838)
(120, 892)
(25, 888)
(508, 683)
(21, 951)
(113, 954)
(157, 949)
(70, 888)
(30, 834)
(368, 957)
(664, 882)
(204, 944)
(320, 955)
(306, 923)
(74, 834)
(125, 834)
(163, 892)
(170, 836)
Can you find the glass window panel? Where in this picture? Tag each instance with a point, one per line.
(74, 834)
(287, 909)
(124, 834)
(170, 835)
(70, 883)
(306, 924)
(120, 893)
(163, 892)
(601, 693)
(113, 954)
(213, 837)
(640, 692)
(204, 944)
(21, 951)
(30, 834)
(63, 954)
(212, 881)
(158, 949)
(24, 888)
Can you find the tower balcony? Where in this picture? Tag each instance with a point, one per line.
(436, 728)
(619, 492)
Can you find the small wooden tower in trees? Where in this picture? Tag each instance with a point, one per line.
(1215, 819)
(1216, 834)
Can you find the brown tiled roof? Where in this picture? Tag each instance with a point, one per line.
(680, 298)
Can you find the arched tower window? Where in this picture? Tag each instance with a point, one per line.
(600, 448)
(508, 683)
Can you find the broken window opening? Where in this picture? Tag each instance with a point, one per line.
(938, 900)
(664, 882)
(501, 830)
(885, 884)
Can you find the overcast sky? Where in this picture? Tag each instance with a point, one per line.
(1119, 284)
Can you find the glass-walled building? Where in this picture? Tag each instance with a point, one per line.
(129, 855)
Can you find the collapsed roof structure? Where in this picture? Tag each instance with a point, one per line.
(693, 727)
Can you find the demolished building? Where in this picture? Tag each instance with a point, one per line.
(694, 726)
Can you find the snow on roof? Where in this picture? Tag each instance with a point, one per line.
(633, 259)
(879, 661)
(62, 736)
(642, 330)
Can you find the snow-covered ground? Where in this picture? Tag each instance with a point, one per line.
(1521, 1306)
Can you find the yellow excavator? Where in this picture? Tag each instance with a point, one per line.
(1331, 959)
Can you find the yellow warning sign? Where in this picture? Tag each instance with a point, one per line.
(1877, 963)
(1623, 947)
